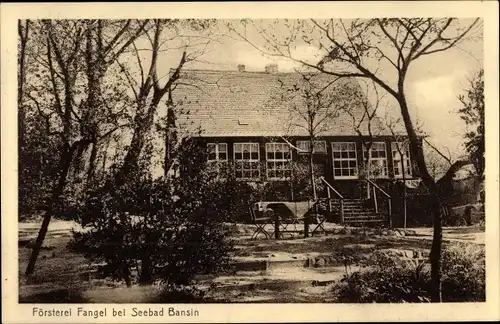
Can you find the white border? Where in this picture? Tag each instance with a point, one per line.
(15, 313)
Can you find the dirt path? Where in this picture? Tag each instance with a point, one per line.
(467, 234)
(63, 276)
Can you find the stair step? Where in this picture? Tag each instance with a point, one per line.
(360, 211)
(364, 221)
(351, 202)
(352, 207)
(364, 211)
(361, 215)
(355, 211)
(364, 217)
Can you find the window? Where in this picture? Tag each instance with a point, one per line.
(377, 165)
(318, 147)
(345, 164)
(217, 156)
(397, 159)
(217, 152)
(246, 158)
(278, 164)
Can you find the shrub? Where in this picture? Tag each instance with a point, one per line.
(464, 273)
(167, 230)
(236, 198)
(389, 279)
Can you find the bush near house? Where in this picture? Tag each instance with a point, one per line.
(178, 234)
(168, 230)
(394, 280)
(238, 196)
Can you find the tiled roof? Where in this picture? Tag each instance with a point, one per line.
(231, 103)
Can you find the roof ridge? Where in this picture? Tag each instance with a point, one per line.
(239, 72)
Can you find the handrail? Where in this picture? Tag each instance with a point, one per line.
(331, 187)
(380, 189)
(389, 206)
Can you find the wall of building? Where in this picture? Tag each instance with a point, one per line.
(350, 188)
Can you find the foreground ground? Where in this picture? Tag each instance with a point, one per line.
(293, 269)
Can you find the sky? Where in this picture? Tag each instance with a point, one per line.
(433, 84)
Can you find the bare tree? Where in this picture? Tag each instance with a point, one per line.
(367, 125)
(70, 106)
(23, 29)
(313, 103)
(185, 39)
(401, 143)
(148, 92)
(360, 48)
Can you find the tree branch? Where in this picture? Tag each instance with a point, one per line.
(108, 133)
(448, 159)
(454, 168)
(45, 117)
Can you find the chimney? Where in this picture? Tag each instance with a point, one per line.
(272, 68)
(241, 68)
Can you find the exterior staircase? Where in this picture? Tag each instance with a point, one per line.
(357, 212)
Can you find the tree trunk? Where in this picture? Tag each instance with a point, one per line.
(405, 213)
(23, 35)
(143, 122)
(170, 140)
(366, 166)
(146, 275)
(92, 162)
(436, 249)
(104, 159)
(64, 164)
(430, 183)
(126, 276)
(311, 171)
(403, 170)
(20, 96)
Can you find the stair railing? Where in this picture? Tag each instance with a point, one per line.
(376, 188)
(329, 189)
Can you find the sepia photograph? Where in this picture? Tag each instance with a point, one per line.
(174, 162)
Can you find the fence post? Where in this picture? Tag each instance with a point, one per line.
(342, 211)
(306, 225)
(390, 213)
(375, 199)
(276, 226)
(329, 199)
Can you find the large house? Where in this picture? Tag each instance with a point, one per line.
(259, 122)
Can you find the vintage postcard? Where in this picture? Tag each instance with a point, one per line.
(250, 162)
